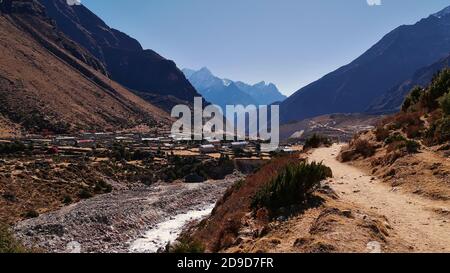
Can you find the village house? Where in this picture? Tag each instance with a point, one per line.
(239, 145)
(206, 149)
(86, 143)
(65, 141)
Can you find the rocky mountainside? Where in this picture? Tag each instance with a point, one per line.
(48, 82)
(392, 100)
(394, 59)
(227, 92)
(148, 74)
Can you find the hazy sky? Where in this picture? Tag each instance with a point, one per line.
(288, 42)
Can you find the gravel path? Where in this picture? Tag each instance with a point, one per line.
(413, 217)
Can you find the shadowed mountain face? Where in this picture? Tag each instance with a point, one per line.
(144, 71)
(354, 87)
(392, 100)
(227, 92)
(50, 83)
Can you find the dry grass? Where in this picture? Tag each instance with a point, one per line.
(425, 172)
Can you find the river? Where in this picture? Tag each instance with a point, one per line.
(140, 219)
(168, 231)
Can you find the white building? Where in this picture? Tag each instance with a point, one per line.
(239, 145)
(206, 149)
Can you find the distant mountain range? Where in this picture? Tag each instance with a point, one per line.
(144, 71)
(227, 92)
(377, 80)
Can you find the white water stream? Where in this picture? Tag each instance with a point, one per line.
(166, 232)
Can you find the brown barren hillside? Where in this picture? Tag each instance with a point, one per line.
(49, 82)
(8, 129)
(335, 126)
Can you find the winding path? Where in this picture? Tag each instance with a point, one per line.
(412, 217)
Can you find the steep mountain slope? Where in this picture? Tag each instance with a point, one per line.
(152, 77)
(392, 100)
(352, 88)
(227, 92)
(48, 82)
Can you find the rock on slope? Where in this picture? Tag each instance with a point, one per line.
(49, 82)
(151, 76)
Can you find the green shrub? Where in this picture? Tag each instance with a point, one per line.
(187, 246)
(67, 200)
(31, 214)
(398, 141)
(445, 104)
(438, 87)
(413, 98)
(439, 132)
(102, 187)
(315, 141)
(293, 186)
(238, 185)
(412, 146)
(84, 194)
(395, 138)
(12, 148)
(8, 244)
(407, 104)
(120, 152)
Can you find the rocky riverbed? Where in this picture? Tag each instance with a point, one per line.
(115, 222)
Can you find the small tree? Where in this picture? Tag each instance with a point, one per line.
(315, 141)
(9, 244)
(413, 98)
(294, 185)
(445, 103)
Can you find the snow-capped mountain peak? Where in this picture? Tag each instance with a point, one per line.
(225, 91)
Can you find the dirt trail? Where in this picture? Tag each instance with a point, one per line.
(414, 218)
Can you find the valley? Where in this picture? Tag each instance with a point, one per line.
(90, 161)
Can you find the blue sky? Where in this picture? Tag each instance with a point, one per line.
(288, 42)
